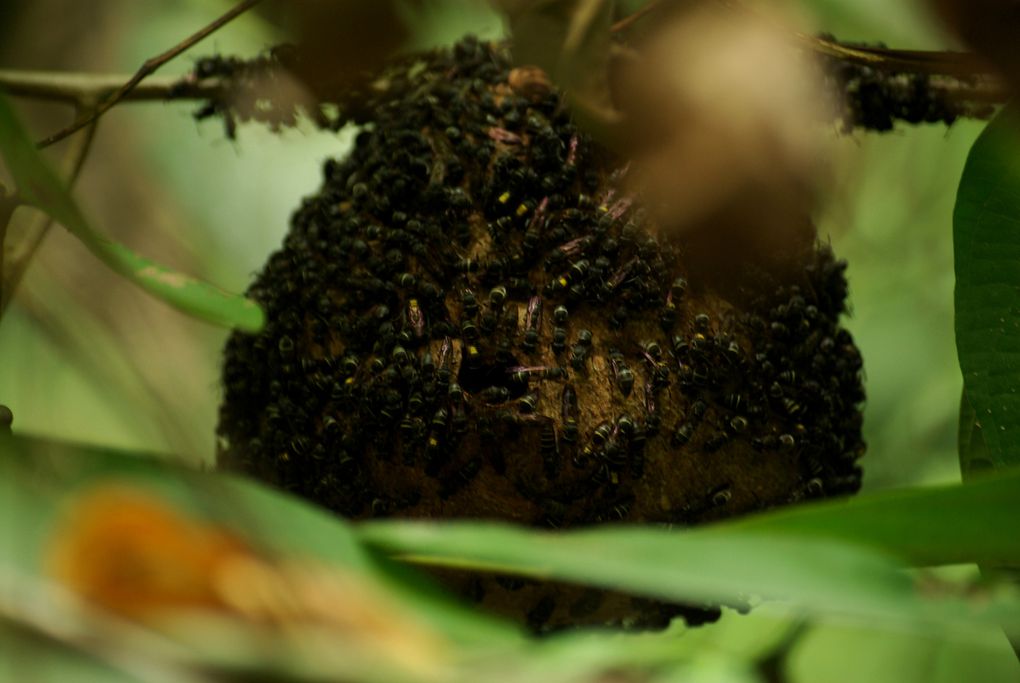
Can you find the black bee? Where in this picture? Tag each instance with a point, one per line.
(532, 323)
(683, 433)
(493, 395)
(469, 302)
(652, 418)
(497, 295)
(624, 376)
(559, 340)
(579, 354)
(550, 446)
(568, 412)
(445, 372)
(528, 403)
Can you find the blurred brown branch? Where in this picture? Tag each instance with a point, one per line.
(74, 88)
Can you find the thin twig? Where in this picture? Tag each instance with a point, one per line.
(75, 88)
(631, 19)
(934, 62)
(149, 67)
(39, 223)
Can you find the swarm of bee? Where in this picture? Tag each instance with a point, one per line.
(474, 318)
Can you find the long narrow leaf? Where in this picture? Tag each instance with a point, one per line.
(822, 577)
(40, 186)
(938, 525)
(837, 557)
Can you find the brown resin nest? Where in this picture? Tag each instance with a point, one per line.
(474, 319)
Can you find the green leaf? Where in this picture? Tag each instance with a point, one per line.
(937, 525)
(40, 186)
(37, 475)
(986, 238)
(832, 558)
(973, 453)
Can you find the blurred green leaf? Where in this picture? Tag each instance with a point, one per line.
(829, 558)
(40, 186)
(924, 526)
(986, 234)
(37, 475)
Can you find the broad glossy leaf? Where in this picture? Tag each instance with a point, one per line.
(970, 442)
(40, 186)
(986, 237)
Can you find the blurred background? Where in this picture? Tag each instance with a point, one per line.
(88, 357)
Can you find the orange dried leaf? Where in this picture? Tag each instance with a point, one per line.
(128, 552)
(131, 554)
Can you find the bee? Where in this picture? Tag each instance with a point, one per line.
(399, 355)
(444, 372)
(528, 403)
(532, 323)
(738, 423)
(572, 152)
(682, 434)
(623, 374)
(652, 350)
(626, 426)
(715, 442)
(720, 496)
(613, 283)
(466, 265)
(569, 250)
(415, 318)
(568, 412)
(602, 433)
(487, 322)
(493, 395)
(578, 355)
(497, 295)
(550, 447)
(559, 339)
(503, 135)
(652, 420)
(520, 375)
(678, 288)
(468, 330)
(469, 302)
(584, 457)
(533, 232)
(792, 406)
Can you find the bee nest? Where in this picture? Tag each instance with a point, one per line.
(473, 318)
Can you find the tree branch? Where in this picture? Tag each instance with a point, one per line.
(149, 66)
(78, 88)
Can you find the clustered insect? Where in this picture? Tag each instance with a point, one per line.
(875, 98)
(471, 319)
